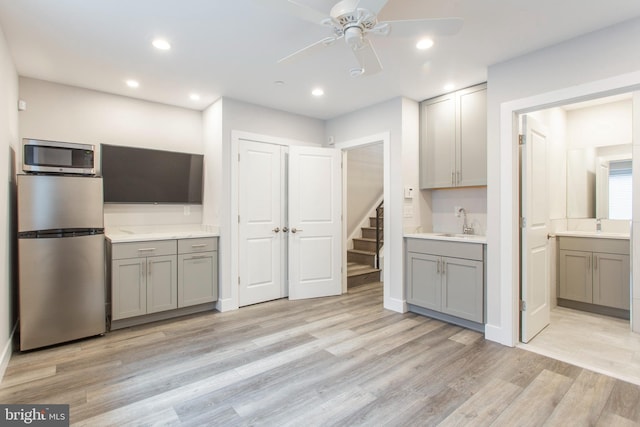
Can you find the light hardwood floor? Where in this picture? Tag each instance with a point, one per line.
(332, 361)
(601, 343)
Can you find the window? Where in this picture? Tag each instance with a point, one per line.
(620, 195)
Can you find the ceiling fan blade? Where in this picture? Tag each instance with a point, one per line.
(374, 6)
(414, 27)
(312, 48)
(368, 60)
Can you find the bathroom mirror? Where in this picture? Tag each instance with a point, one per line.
(599, 182)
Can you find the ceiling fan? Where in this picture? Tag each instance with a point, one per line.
(354, 21)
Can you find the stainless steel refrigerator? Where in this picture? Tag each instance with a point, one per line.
(61, 259)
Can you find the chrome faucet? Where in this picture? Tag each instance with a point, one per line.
(466, 229)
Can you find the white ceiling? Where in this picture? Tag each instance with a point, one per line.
(230, 48)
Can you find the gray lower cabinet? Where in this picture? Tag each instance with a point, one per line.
(198, 271)
(143, 278)
(446, 277)
(594, 271)
(163, 275)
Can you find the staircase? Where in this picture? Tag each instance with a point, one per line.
(361, 260)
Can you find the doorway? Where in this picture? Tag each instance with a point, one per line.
(579, 139)
(363, 171)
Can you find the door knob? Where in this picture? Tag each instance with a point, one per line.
(295, 230)
(277, 229)
(285, 229)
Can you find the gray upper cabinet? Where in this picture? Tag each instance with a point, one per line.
(453, 139)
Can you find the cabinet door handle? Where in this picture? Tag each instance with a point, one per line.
(296, 230)
(453, 174)
(150, 264)
(143, 270)
(438, 266)
(444, 268)
(146, 249)
(589, 264)
(201, 245)
(595, 262)
(458, 181)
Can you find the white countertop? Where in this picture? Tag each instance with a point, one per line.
(592, 234)
(454, 237)
(140, 233)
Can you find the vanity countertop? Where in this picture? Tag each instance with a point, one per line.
(454, 237)
(140, 233)
(592, 234)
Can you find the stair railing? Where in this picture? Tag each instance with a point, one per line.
(379, 231)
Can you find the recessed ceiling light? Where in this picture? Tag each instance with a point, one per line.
(317, 92)
(133, 83)
(424, 44)
(278, 83)
(448, 86)
(161, 44)
(194, 97)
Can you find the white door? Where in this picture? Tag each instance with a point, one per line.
(315, 184)
(261, 220)
(534, 272)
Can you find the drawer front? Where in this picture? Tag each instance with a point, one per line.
(143, 249)
(446, 248)
(203, 244)
(610, 246)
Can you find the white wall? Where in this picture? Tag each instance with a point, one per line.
(72, 114)
(8, 141)
(600, 125)
(399, 118)
(598, 63)
(220, 120)
(473, 200)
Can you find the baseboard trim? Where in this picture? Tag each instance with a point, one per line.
(497, 334)
(396, 305)
(226, 305)
(7, 352)
(162, 315)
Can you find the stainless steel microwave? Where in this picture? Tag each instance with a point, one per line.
(40, 156)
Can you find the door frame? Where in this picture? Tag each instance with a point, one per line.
(506, 245)
(236, 137)
(385, 139)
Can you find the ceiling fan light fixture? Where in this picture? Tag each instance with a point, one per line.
(317, 92)
(132, 83)
(424, 44)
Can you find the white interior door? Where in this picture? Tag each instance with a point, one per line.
(315, 243)
(534, 272)
(261, 219)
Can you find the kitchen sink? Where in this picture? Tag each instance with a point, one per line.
(464, 236)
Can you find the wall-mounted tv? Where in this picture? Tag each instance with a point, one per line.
(141, 175)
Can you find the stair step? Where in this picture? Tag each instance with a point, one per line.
(359, 274)
(369, 232)
(365, 244)
(373, 221)
(361, 257)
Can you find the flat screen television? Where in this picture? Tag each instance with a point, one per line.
(141, 175)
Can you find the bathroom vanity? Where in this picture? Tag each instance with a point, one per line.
(594, 272)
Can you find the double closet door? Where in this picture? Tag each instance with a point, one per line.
(289, 222)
